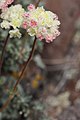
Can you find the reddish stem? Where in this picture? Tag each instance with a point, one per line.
(26, 64)
(3, 52)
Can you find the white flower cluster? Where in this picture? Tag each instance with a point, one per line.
(40, 23)
(13, 17)
(37, 22)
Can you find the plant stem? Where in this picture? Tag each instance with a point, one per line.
(3, 52)
(26, 64)
(6, 103)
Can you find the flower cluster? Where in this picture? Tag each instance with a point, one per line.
(13, 17)
(37, 21)
(40, 23)
(4, 3)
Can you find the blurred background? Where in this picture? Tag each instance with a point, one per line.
(50, 89)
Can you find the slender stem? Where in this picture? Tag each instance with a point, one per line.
(3, 52)
(6, 103)
(26, 64)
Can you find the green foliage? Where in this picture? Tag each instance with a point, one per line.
(25, 107)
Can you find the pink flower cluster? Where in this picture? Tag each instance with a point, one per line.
(41, 23)
(4, 3)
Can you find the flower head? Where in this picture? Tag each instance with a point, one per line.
(41, 23)
(13, 17)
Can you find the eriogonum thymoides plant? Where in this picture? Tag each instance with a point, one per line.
(39, 23)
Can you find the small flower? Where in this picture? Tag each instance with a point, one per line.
(26, 15)
(15, 33)
(31, 7)
(49, 38)
(40, 36)
(33, 23)
(31, 31)
(5, 24)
